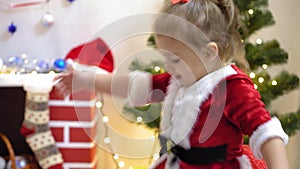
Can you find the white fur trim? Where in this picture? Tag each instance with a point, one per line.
(244, 162)
(168, 157)
(270, 129)
(182, 106)
(140, 86)
(159, 161)
(38, 83)
(86, 68)
(170, 164)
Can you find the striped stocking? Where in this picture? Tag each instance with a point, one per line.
(35, 127)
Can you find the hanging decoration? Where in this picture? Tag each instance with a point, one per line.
(71, 1)
(47, 19)
(12, 28)
(60, 64)
(22, 64)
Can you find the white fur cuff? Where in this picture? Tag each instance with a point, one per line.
(264, 132)
(140, 86)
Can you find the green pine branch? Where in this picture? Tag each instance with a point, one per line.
(149, 114)
(268, 53)
(290, 122)
(285, 82)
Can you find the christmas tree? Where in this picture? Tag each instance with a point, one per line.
(259, 56)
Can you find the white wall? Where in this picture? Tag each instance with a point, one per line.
(74, 24)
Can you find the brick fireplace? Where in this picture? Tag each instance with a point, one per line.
(73, 122)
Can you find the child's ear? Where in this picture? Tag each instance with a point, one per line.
(213, 48)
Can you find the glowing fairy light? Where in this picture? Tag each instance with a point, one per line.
(121, 164)
(261, 80)
(274, 82)
(106, 140)
(251, 11)
(259, 41)
(255, 86)
(105, 119)
(264, 66)
(139, 119)
(99, 104)
(252, 75)
(116, 156)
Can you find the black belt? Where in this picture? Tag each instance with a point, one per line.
(195, 155)
(200, 156)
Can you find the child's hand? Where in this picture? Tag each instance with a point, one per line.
(74, 81)
(63, 83)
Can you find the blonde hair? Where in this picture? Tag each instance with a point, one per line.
(216, 19)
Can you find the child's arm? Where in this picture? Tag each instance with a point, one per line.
(138, 87)
(273, 152)
(117, 85)
(107, 83)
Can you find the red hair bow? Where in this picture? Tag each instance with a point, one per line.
(179, 1)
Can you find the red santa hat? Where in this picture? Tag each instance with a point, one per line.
(93, 53)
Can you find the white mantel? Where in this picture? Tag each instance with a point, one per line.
(18, 80)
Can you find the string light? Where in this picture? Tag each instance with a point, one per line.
(252, 75)
(259, 41)
(116, 156)
(274, 82)
(251, 11)
(105, 119)
(107, 140)
(255, 86)
(261, 80)
(99, 104)
(264, 66)
(139, 119)
(121, 164)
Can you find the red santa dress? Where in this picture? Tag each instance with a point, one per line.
(218, 110)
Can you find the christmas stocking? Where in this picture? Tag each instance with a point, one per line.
(35, 127)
